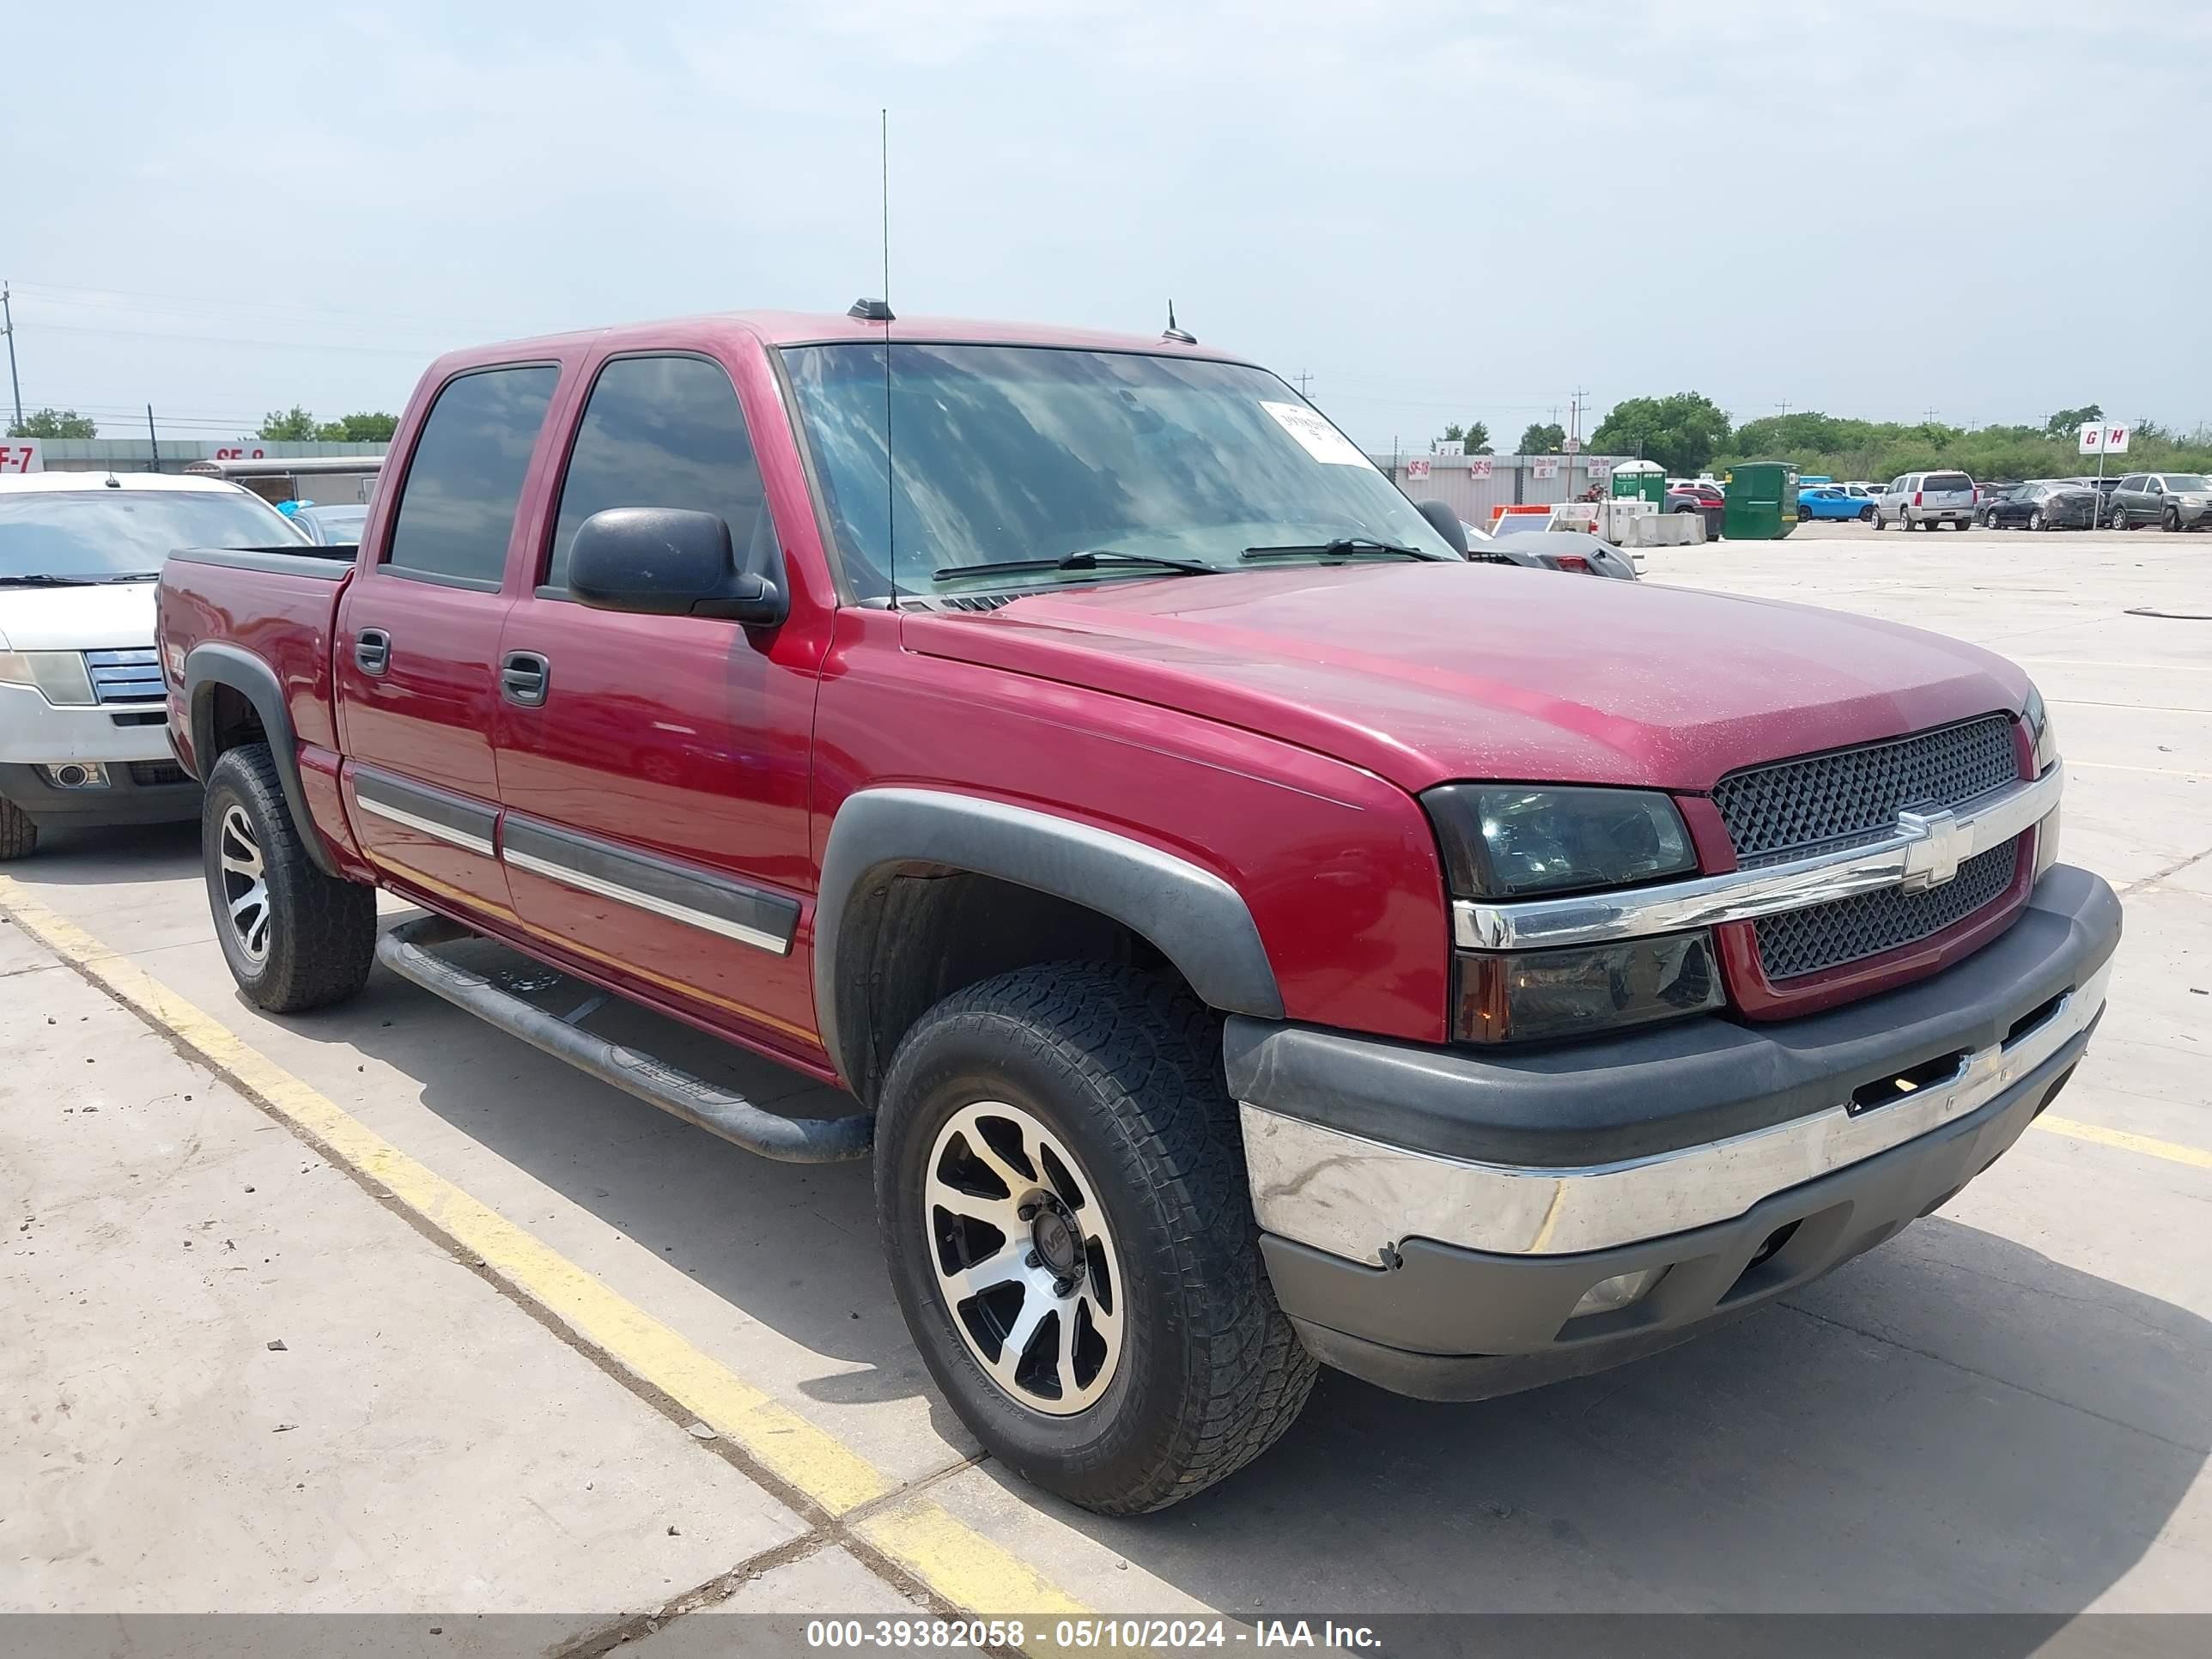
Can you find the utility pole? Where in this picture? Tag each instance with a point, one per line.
(1304, 377)
(8, 327)
(155, 436)
(1784, 407)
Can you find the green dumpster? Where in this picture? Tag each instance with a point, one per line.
(1762, 501)
(1640, 481)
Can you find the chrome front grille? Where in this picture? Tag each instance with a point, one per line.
(1794, 807)
(133, 675)
(1799, 942)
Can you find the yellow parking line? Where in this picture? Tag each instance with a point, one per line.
(2171, 1150)
(949, 1558)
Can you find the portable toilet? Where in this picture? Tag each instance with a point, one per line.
(1640, 481)
(1762, 501)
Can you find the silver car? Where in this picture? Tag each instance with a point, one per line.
(1921, 500)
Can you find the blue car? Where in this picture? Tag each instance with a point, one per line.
(1833, 502)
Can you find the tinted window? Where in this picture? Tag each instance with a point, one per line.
(100, 535)
(457, 506)
(2190, 484)
(660, 432)
(1948, 481)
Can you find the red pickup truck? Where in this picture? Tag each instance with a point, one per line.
(1251, 933)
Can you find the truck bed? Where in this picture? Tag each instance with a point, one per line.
(276, 604)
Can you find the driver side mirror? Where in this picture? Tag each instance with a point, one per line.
(1444, 519)
(670, 562)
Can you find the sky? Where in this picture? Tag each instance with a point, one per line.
(1987, 208)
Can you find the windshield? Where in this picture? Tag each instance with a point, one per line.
(1006, 452)
(103, 535)
(2188, 482)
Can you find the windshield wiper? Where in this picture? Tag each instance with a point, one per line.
(49, 581)
(130, 576)
(1344, 547)
(1091, 560)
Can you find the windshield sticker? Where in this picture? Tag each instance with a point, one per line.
(1316, 436)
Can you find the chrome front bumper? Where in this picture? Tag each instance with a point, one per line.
(1360, 1199)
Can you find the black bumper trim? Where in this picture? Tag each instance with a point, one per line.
(1607, 1100)
(1454, 1324)
(122, 803)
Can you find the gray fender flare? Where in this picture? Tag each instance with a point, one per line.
(215, 664)
(1195, 919)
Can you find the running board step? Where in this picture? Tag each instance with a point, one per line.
(406, 951)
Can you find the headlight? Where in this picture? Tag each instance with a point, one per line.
(2037, 719)
(1512, 842)
(1508, 842)
(58, 675)
(1531, 996)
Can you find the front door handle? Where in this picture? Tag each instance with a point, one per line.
(524, 676)
(372, 650)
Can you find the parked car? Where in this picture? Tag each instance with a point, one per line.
(1923, 500)
(1832, 501)
(337, 525)
(83, 727)
(2172, 501)
(2104, 487)
(1703, 499)
(2044, 504)
(1573, 550)
(1253, 934)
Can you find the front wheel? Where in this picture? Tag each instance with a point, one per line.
(1062, 1190)
(294, 938)
(2172, 522)
(1990, 519)
(1804, 515)
(2035, 520)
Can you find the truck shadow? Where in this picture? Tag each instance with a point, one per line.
(1953, 1423)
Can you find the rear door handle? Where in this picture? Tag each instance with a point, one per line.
(524, 676)
(372, 650)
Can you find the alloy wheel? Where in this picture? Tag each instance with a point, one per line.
(245, 885)
(1024, 1258)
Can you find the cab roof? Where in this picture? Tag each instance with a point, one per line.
(785, 328)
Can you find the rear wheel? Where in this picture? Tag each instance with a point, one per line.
(1060, 1184)
(1868, 515)
(18, 837)
(294, 938)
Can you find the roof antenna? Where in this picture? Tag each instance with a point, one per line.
(891, 473)
(1171, 332)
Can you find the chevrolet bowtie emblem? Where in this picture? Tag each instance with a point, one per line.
(1932, 857)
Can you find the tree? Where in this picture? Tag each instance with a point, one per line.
(55, 424)
(1543, 438)
(2068, 422)
(361, 429)
(1475, 435)
(293, 425)
(1681, 431)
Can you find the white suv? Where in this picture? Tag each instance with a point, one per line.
(1921, 500)
(84, 723)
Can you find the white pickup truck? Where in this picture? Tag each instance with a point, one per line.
(83, 723)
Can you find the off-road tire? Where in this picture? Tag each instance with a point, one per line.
(1126, 1068)
(19, 834)
(322, 931)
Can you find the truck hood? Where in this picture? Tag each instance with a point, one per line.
(1430, 672)
(113, 615)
